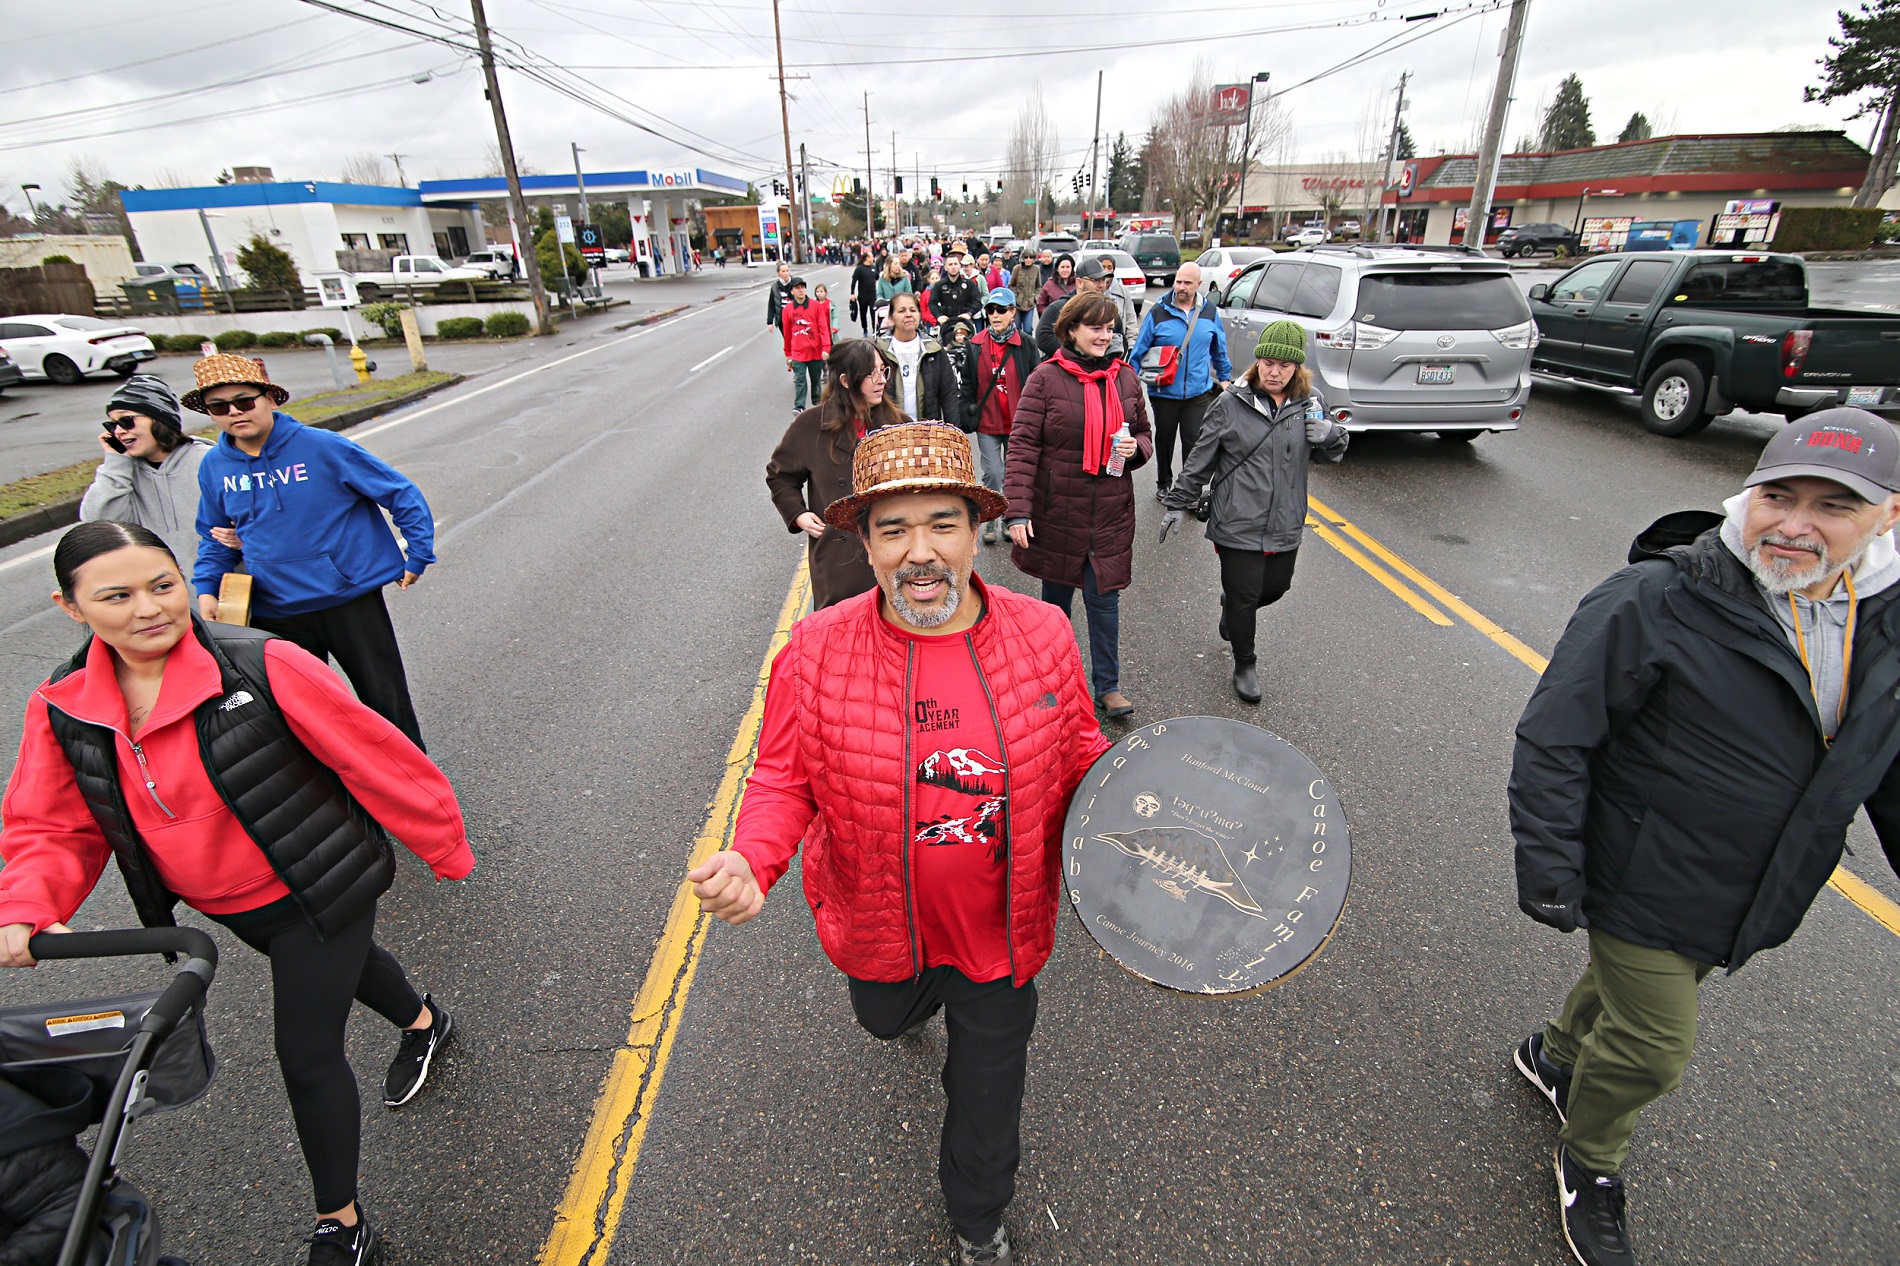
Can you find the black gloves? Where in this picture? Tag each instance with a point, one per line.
(1565, 916)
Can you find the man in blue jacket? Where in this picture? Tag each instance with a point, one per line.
(307, 505)
(1201, 370)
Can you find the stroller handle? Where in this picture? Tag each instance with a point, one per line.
(188, 987)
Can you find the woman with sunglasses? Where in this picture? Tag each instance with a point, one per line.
(149, 473)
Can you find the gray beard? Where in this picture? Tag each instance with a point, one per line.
(1776, 579)
(953, 597)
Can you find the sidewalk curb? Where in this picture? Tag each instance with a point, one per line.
(64, 513)
(651, 317)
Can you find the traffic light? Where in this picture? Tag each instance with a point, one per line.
(966, 188)
(899, 180)
(857, 186)
(999, 184)
(936, 190)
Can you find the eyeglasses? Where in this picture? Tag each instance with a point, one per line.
(240, 404)
(121, 424)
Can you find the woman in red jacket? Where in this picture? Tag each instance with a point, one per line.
(175, 747)
(1071, 512)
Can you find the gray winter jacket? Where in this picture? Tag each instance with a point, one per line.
(1256, 458)
(163, 498)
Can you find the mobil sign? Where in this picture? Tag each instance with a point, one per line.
(670, 179)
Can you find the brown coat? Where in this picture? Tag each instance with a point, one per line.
(809, 470)
(1077, 517)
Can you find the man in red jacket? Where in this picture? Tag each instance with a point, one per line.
(807, 343)
(923, 739)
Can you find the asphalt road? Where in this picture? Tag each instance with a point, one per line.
(584, 654)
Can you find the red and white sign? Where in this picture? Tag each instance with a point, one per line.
(1232, 102)
(1408, 178)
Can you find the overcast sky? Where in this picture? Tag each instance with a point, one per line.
(283, 84)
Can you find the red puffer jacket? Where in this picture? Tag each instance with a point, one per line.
(1076, 517)
(850, 673)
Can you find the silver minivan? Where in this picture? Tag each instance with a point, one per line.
(1398, 338)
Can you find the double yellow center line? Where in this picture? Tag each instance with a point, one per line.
(1381, 564)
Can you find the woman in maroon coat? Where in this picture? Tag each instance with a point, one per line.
(811, 467)
(1072, 521)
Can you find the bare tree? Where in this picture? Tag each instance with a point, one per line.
(365, 168)
(1194, 157)
(1030, 161)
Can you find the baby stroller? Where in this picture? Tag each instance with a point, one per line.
(67, 1065)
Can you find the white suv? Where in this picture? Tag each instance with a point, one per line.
(1398, 338)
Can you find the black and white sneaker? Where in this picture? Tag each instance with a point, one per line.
(1596, 1220)
(1552, 1080)
(992, 1252)
(410, 1068)
(333, 1244)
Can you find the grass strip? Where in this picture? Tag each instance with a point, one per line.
(54, 486)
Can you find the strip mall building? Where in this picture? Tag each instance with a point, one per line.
(1724, 184)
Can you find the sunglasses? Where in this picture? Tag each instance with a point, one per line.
(241, 404)
(120, 424)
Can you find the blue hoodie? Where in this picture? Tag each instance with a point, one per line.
(1202, 365)
(306, 510)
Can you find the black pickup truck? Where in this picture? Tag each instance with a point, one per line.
(1698, 333)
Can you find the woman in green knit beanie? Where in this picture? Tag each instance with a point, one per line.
(1256, 443)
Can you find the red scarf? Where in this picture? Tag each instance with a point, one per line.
(1102, 416)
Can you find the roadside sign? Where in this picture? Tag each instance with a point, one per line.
(564, 229)
(592, 242)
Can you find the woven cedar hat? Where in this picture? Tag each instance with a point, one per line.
(913, 457)
(226, 369)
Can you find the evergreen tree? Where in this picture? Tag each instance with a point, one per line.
(1567, 121)
(1637, 129)
(1866, 60)
(269, 266)
(1407, 149)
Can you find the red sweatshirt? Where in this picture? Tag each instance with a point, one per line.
(807, 330)
(53, 847)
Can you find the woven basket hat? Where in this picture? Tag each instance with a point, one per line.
(227, 369)
(914, 457)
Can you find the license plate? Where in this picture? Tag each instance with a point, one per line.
(1436, 374)
(1863, 395)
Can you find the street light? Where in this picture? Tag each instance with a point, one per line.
(1576, 225)
(1246, 147)
(224, 280)
(29, 190)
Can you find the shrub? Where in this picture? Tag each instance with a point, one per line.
(232, 340)
(507, 325)
(177, 342)
(59, 259)
(554, 255)
(1889, 231)
(387, 314)
(270, 267)
(459, 327)
(1827, 228)
(336, 335)
(279, 338)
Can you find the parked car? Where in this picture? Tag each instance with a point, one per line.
(1128, 274)
(1401, 338)
(1095, 245)
(618, 255)
(1192, 237)
(1059, 243)
(496, 262)
(1158, 254)
(174, 272)
(65, 348)
(1695, 334)
(1525, 240)
(1312, 235)
(1220, 265)
(413, 270)
(9, 372)
(1347, 230)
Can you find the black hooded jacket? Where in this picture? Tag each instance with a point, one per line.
(1670, 769)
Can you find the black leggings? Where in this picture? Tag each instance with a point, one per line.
(312, 984)
(1250, 580)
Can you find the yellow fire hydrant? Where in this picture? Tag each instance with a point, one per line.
(361, 361)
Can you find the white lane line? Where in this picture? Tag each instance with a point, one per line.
(710, 359)
(360, 436)
(39, 553)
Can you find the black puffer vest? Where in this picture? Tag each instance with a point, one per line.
(334, 858)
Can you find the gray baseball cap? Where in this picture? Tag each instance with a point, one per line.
(1855, 448)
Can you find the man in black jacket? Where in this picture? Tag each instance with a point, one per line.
(955, 295)
(779, 293)
(1687, 768)
(1091, 278)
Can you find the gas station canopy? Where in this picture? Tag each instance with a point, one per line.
(691, 182)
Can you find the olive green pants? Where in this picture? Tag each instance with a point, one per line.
(1626, 1031)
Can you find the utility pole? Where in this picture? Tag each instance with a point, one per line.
(1095, 157)
(1491, 152)
(1392, 156)
(400, 178)
(870, 216)
(785, 122)
(517, 205)
(804, 180)
(580, 183)
(897, 203)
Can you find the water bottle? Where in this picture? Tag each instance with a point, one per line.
(1116, 462)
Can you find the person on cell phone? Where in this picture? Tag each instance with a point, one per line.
(148, 473)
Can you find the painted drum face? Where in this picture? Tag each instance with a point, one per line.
(1207, 855)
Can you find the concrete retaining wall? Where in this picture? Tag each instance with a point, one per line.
(210, 323)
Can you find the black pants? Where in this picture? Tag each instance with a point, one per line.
(989, 1026)
(1250, 580)
(312, 984)
(1172, 416)
(363, 640)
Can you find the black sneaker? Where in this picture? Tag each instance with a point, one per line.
(1552, 1080)
(410, 1068)
(992, 1252)
(1596, 1222)
(333, 1244)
